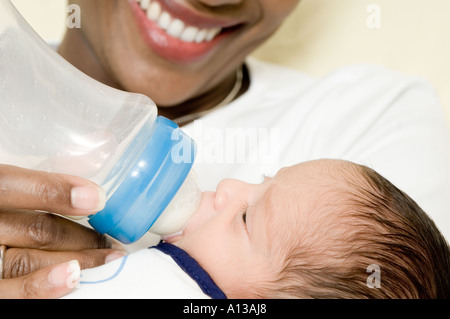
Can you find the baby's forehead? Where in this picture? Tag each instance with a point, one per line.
(318, 171)
(305, 195)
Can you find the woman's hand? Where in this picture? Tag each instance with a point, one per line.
(37, 246)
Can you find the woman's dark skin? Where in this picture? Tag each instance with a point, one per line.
(36, 241)
(110, 47)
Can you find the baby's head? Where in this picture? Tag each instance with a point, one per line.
(312, 231)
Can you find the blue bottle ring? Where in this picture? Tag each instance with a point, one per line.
(149, 186)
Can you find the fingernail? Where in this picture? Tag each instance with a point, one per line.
(91, 199)
(114, 256)
(67, 274)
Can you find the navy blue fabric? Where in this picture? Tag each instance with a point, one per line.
(193, 269)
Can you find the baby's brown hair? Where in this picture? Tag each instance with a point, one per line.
(380, 244)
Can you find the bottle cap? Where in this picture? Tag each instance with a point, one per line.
(151, 184)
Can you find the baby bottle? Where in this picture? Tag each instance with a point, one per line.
(55, 118)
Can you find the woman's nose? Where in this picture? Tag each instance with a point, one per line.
(228, 190)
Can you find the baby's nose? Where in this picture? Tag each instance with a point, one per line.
(222, 194)
(226, 191)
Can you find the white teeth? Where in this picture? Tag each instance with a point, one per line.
(175, 27)
(212, 33)
(164, 20)
(201, 36)
(189, 34)
(153, 11)
(144, 3)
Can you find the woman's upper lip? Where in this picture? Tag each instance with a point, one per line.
(197, 18)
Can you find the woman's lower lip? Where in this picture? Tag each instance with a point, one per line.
(168, 47)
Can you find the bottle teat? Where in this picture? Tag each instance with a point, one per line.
(176, 215)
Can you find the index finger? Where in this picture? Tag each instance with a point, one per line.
(22, 188)
(29, 229)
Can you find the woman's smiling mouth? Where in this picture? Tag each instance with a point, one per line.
(179, 33)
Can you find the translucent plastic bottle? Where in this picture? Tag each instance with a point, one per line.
(55, 118)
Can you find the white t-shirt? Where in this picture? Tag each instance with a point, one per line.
(161, 272)
(366, 114)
